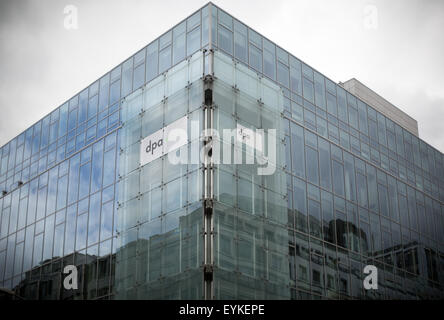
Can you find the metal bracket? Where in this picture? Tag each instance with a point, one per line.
(208, 204)
(208, 272)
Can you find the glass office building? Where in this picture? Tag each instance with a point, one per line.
(349, 187)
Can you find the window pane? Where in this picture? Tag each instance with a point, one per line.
(362, 113)
(174, 195)
(18, 259)
(38, 250)
(72, 121)
(96, 179)
(412, 208)
(104, 92)
(115, 92)
(314, 211)
(193, 41)
(353, 117)
(295, 76)
(308, 90)
(71, 215)
(127, 77)
(109, 167)
(165, 40)
(381, 130)
(283, 75)
(226, 40)
(319, 90)
(179, 43)
(350, 187)
(226, 188)
(152, 61)
(92, 107)
(61, 193)
(115, 73)
(83, 103)
(325, 164)
(404, 211)
(282, 56)
(255, 58)
(331, 104)
(328, 222)
(255, 38)
(269, 59)
(383, 200)
(139, 57)
(240, 42)
(342, 105)
(82, 226)
(312, 165)
(106, 225)
(372, 130)
(372, 188)
(58, 240)
(299, 202)
(85, 173)
(193, 21)
(361, 182)
(139, 76)
(94, 219)
(338, 178)
(29, 244)
(393, 199)
(225, 20)
(307, 72)
(165, 59)
(297, 150)
(73, 189)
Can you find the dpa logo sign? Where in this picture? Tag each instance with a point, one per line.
(164, 141)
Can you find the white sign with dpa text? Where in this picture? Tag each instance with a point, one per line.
(164, 141)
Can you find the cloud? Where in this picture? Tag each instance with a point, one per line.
(430, 116)
(43, 65)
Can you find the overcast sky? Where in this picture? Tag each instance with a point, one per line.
(395, 47)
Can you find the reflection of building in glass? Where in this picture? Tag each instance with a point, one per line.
(45, 282)
(161, 265)
(410, 257)
(352, 183)
(8, 295)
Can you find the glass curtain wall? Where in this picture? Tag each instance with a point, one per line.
(160, 203)
(360, 189)
(250, 218)
(351, 186)
(58, 194)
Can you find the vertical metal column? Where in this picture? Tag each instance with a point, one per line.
(208, 224)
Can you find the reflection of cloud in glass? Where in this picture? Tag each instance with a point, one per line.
(106, 224)
(108, 194)
(105, 248)
(82, 228)
(70, 231)
(94, 219)
(96, 178)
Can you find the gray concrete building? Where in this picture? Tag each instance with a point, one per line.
(373, 99)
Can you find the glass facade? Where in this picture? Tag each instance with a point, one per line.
(350, 187)
(159, 203)
(250, 216)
